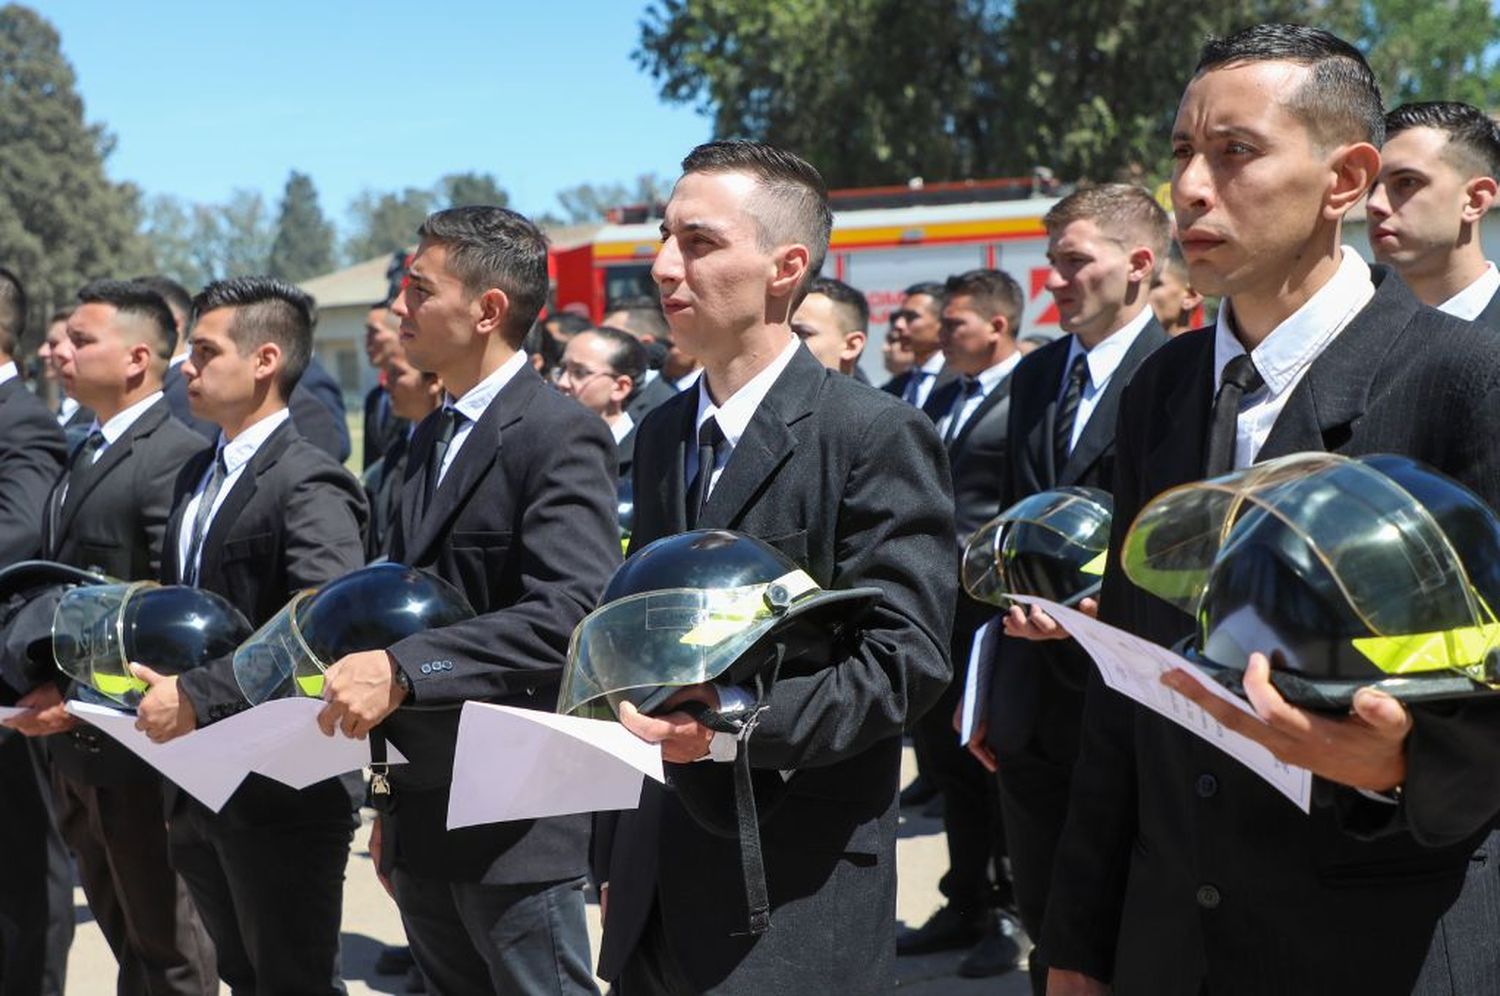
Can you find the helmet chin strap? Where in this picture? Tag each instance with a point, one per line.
(752, 860)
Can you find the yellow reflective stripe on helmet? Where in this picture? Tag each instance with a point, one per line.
(311, 686)
(1096, 566)
(118, 684)
(1446, 650)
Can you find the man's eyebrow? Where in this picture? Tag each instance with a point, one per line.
(1223, 131)
(694, 225)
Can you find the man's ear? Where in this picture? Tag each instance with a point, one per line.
(854, 344)
(268, 361)
(1480, 193)
(791, 262)
(494, 311)
(140, 356)
(1142, 264)
(1355, 168)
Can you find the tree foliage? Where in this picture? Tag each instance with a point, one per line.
(471, 189)
(62, 220)
(589, 201)
(303, 245)
(971, 88)
(383, 223)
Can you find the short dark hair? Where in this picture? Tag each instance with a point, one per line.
(135, 300)
(12, 311)
(850, 301)
(569, 324)
(627, 357)
(176, 296)
(1123, 212)
(1473, 137)
(931, 289)
(643, 316)
(793, 206)
(994, 292)
(539, 342)
(495, 247)
(1340, 100)
(59, 315)
(266, 309)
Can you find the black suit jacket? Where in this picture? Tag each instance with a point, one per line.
(626, 450)
(114, 521)
(648, 397)
(383, 481)
(292, 520)
(524, 524)
(382, 427)
(1035, 688)
(897, 384)
(31, 458)
(852, 485)
(317, 407)
(1490, 316)
(1180, 871)
(76, 428)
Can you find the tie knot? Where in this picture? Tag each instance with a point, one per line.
(709, 434)
(971, 386)
(1079, 371)
(1241, 373)
(95, 440)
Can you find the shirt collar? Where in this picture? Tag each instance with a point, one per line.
(238, 451)
(735, 414)
(1105, 358)
(177, 360)
(934, 365)
(472, 405)
(622, 426)
(990, 378)
(1473, 299)
(8, 371)
(122, 421)
(1296, 342)
(687, 380)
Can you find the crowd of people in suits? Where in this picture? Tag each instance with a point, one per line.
(194, 440)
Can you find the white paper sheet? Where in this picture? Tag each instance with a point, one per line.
(969, 712)
(279, 739)
(521, 764)
(1133, 667)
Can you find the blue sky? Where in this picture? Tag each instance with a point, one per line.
(208, 96)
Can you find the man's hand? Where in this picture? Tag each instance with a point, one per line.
(164, 714)
(1061, 982)
(1027, 622)
(48, 713)
(682, 738)
(980, 748)
(377, 842)
(603, 902)
(360, 690)
(1365, 750)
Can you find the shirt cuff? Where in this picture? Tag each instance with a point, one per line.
(1391, 798)
(732, 700)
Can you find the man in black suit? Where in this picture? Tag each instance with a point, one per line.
(642, 317)
(852, 486)
(73, 417)
(414, 395)
(257, 518)
(108, 513)
(382, 426)
(317, 404)
(510, 497)
(1106, 244)
(833, 321)
(919, 327)
(981, 312)
(1439, 170)
(601, 370)
(36, 888)
(1180, 871)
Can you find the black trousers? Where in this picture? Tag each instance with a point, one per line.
(272, 896)
(36, 878)
(652, 968)
(1033, 794)
(142, 907)
(976, 878)
(468, 937)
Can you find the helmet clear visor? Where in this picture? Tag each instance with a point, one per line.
(276, 661)
(1070, 525)
(88, 639)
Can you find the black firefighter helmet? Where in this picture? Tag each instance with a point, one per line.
(710, 606)
(1052, 544)
(1377, 571)
(368, 609)
(99, 629)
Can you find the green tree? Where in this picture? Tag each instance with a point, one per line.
(303, 246)
(383, 223)
(589, 201)
(471, 189)
(1427, 51)
(168, 228)
(62, 221)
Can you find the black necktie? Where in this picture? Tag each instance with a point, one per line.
(955, 420)
(914, 386)
(1240, 378)
(191, 568)
(711, 444)
(1067, 409)
(79, 467)
(448, 421)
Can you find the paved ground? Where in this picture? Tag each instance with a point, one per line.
(370, 921)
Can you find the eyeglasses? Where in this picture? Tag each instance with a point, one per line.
(577, 373)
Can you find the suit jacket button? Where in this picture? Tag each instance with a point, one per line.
(1207, 786)
(1208, 897)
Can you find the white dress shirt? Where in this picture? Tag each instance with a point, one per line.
(1284, 356)
(735, 414)
(687, 380)
(64, 411)
(472, 405)
(238, 453)
(1473, 299)
(968, 404)
(621, 427)
(925, 376)
(8, 371)
(1102, 361)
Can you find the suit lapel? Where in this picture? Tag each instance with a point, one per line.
(767, 442)
(111, 458)
(999, 393)
(1179, 455)
(239, 497)
(171, 570)
(1323, 408)
(1038, 449)
(1099, 432)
